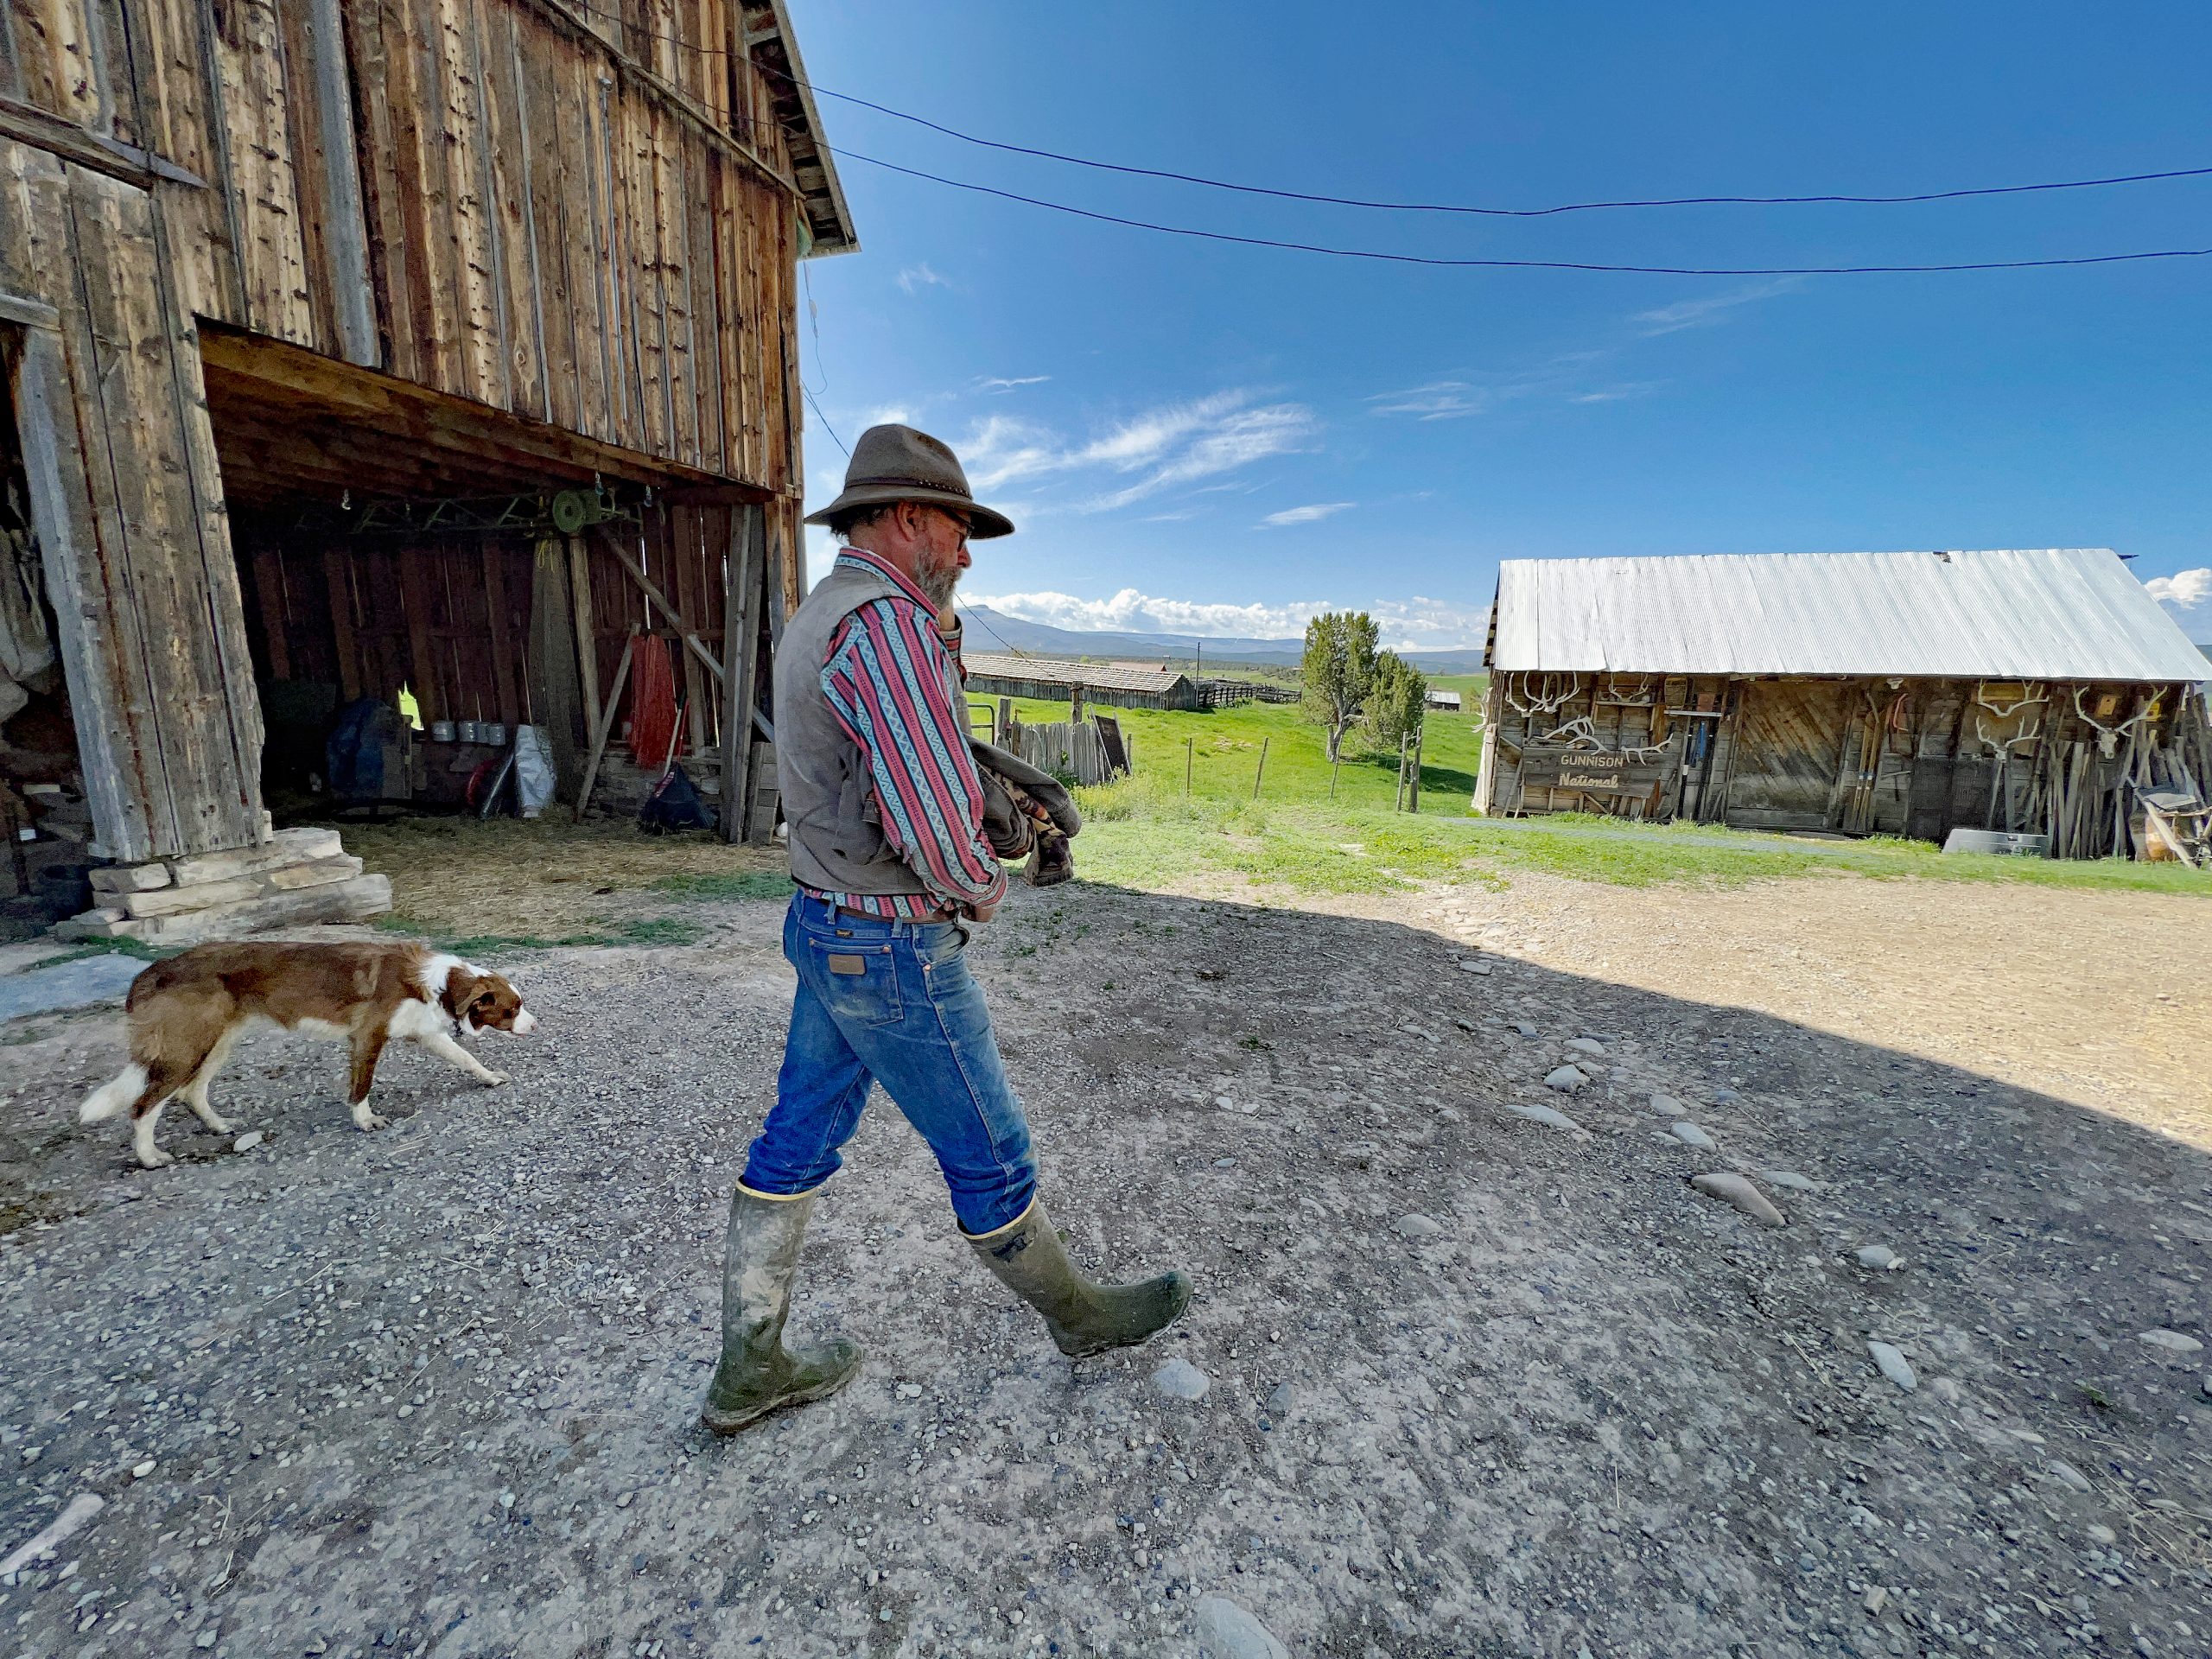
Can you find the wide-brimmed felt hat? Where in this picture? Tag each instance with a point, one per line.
(896, 463)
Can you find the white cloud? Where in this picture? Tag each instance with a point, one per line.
(2184, 590)
(920, 275)
(1439, 400)
(1616, 394)
(998, 382)
(1204, 446)
(1305, 515)
(1564, 379)
(1408, 624)
(1712, 308)
(1175, 444)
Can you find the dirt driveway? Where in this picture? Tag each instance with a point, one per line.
(1479, 1384)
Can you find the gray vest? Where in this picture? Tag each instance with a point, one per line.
(837, 844)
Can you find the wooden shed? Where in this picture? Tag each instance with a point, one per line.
(2039, 692)
(356, 346)
(1124, 685)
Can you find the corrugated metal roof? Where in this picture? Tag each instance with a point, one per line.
(1117, 676)
(2050, 613)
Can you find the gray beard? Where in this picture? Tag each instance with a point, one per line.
(938, 585)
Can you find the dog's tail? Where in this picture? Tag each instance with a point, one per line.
(113, 1096)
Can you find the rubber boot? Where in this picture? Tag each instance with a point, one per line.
(758, 1373)
(1027, 1256)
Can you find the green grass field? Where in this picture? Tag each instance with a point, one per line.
(1221, 751)
(1149, 830)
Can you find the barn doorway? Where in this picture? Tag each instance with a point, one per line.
(44, 814)
(1785, 765)
(444, 602)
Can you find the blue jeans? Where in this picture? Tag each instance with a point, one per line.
(893, 1003)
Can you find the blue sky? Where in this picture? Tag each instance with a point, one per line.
(1219, 439)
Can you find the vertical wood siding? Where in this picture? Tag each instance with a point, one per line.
(579, 211)
(132, 529)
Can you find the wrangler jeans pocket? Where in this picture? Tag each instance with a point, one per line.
(857, 980)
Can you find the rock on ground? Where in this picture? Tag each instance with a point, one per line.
(1228, 1631)
(1890, 1360)
(1733, 1189)
(1180, 1380)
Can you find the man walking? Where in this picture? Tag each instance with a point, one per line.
(885, 808)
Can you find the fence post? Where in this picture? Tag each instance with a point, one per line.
(1413, 784)
(1399, 805)
(1190, 755)
(1333, 765)
(1262, 770)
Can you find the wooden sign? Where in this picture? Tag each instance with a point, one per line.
(1594, 772)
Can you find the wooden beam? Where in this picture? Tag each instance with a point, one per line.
(62, 516)
(691, 635)
(740, 626)
(92, 150)
(606, 725)
(31, 314)
(711, 495)
(422, 664)
(587, 638)
(287, 383)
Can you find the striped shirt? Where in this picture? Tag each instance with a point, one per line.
(889, 680)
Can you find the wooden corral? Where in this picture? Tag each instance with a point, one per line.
(296, 287)
(1915, 754)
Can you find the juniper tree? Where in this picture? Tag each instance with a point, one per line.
(1393, 707)
(1338, 672)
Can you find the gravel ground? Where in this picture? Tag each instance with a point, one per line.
(1478, 1384)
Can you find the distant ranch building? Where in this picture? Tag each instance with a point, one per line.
(1122, 685)
(1904, 694)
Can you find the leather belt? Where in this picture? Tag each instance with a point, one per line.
(869, 916)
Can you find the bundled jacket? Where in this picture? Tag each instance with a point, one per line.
(1027, 812)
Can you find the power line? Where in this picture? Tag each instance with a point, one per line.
(1011, 651)
(1524, 264)
(1437, 207)
(1490, 213)
(1830, 198)
(824, 419)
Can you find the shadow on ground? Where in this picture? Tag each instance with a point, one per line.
(1479, 1385)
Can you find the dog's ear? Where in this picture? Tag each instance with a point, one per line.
(464, 987)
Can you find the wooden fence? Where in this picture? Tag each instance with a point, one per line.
(1078, 751)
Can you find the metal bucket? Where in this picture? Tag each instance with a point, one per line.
(471, 731)
(441, 731)
(491, 732)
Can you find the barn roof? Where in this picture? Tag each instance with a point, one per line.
(2049, 614)
(771, 43)
(1117, 676)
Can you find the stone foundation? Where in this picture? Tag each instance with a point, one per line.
(295, 876)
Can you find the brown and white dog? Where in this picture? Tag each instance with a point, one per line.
(186, 1013)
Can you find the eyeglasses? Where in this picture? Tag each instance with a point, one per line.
(965, 525)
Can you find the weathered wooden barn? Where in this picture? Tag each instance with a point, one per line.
(353, 346)
(1904, 694)
(1123, 685)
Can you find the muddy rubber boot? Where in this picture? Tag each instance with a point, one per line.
(1027, 1258)
(758, 1373)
